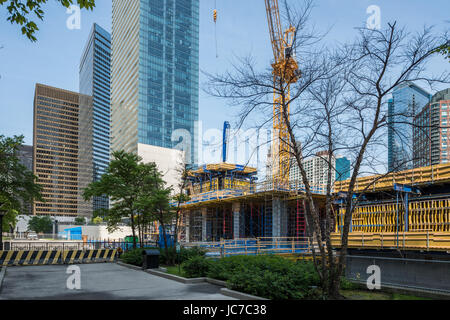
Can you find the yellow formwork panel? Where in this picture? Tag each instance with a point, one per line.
(430, 241)
(424, 175)
(427, 215)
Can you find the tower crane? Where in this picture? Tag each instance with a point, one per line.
(285, 73)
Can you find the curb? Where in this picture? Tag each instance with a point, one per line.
(430, 294)
(226, 292)
(239, 295)
(175, 278)
(216, 282)
(2, 275)
(130, 266)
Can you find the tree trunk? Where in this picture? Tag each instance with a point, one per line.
(166, 248)
(133, 231)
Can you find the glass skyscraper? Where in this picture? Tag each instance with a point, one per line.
(407, 100)
(95, 124)
(155, 74)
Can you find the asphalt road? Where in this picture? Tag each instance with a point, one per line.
(106, 281)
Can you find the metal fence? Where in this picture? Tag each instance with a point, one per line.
(255, 246)
(73, 245)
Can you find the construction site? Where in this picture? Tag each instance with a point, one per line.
(400, 223)
(408, 209)
(405, 210)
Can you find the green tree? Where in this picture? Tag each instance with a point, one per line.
(25, 12)
(40, 224)
(80, 221)
(444, 50)
(155, 205)
(180, 198)
(97, 220)
(17, 184)
(125, 181)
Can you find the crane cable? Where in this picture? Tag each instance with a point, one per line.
(215, 25)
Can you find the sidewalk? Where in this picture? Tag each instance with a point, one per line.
(105, 281)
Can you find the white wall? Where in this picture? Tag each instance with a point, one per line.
(23, 220)
(100, 232)
(167, 160)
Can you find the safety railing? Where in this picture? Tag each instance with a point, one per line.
(61, 245)
(266, 186)
(255, 246)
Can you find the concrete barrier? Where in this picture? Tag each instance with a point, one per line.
(55, 257)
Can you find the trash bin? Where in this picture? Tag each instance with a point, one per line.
(150, 259)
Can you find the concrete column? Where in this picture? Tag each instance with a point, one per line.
(279, 218)
(236, 208)
(204, 214)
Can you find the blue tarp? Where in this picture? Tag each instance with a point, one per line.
(72, 233)
(169, 238)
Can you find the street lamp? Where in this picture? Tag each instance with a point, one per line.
(1, 230)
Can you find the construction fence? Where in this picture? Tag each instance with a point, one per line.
(255, 246)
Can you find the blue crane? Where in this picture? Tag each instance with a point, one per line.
(226, 136)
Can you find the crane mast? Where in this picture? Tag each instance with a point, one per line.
(285, 72)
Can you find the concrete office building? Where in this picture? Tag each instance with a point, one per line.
(95, 122)
(431, 131)
(407, 100)
(317, 170)
(154, 76)
(56, 160)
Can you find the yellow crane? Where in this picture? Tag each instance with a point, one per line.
(285, 72)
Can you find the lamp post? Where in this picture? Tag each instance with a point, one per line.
(1, 230)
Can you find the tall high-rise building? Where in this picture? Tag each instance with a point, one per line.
(55, 138)
(95, 122)
(155, 75)
(407, 100)
(343, 168)
(431, 131)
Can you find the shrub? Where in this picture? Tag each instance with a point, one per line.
(182, 256)
(347, 285)
(269, 276)
(134, 256)
(188, 253)
(197, 266)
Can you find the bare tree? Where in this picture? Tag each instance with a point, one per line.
(338, 105)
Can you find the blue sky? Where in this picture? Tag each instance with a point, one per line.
(241, 30)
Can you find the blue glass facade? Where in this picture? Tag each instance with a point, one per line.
(168, 72)
(95, 81)
(342, 169)
(407, 100)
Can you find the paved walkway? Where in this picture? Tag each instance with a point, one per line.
(99, 282)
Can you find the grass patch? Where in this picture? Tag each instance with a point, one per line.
(177, 271)
(377, 295)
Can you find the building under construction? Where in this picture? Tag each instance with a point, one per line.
(226, 202)
(405, 210)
